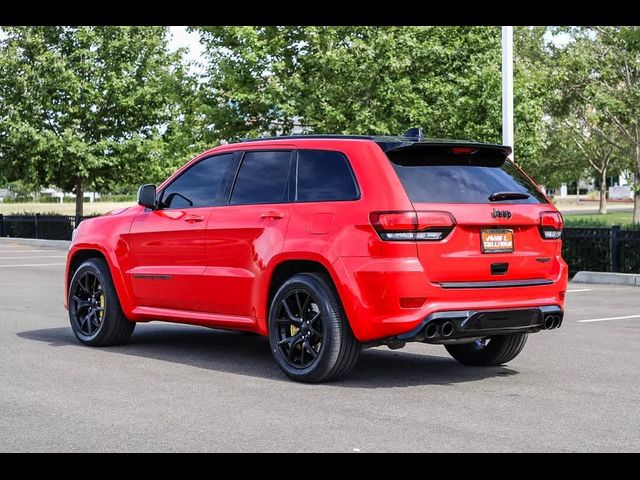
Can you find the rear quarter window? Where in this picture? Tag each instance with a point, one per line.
(324, 176)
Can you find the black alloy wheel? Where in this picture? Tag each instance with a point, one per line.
(88, 304)
(489, 351)
(309, 333)
(95, 313)
(299, 329)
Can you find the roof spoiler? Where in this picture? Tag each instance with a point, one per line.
(447, 153)
(445, 148)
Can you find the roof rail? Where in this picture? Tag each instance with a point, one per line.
(309, 136)
(386, 142)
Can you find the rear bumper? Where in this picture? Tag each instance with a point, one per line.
(373, 291)
(444, 326)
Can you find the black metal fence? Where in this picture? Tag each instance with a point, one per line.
(49, 227)
(601, 249)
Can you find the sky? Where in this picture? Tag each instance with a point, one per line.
(191, 41)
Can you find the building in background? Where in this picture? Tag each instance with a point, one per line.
(50, 194)
(618, 188)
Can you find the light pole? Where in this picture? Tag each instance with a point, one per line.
(507, 87)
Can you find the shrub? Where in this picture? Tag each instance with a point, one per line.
(570, 222)
(116, 198)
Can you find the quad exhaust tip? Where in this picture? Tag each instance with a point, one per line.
(447, 329)
(551, 322)
(432, 330)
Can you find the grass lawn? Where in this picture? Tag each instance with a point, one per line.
(60, 208)
(614, 218)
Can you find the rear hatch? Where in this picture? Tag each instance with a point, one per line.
(496, 209)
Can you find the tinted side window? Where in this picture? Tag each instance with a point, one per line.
(324, 176)
(263, 178)
(198, 186)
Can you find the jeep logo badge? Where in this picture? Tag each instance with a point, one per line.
(501, 214)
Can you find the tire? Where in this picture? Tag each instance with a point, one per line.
(498, 350)
(328, 331)
(107, 325)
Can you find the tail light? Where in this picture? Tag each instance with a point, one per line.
(412, 226)
(551, 224)
(463, 150)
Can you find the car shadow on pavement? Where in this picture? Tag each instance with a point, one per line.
(248, 354)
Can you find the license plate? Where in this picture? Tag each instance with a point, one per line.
(497, 240)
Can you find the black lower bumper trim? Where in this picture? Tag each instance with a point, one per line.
(484, 323)
(497, 284)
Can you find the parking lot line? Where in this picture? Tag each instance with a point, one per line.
(579, 290)
(33, 265)
(40, 256)
(608, 318)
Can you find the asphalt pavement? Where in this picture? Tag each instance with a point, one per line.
(181, 388)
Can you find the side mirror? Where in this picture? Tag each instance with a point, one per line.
(147, 196)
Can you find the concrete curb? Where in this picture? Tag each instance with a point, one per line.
(32, 242)
(606, 278)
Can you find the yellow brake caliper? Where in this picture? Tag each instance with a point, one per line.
(101, 305)
(295, 330)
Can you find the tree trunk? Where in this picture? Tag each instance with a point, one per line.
(603, 191)
(79, 198)
(636, 195)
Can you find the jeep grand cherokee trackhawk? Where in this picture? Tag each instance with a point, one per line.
(327, 245)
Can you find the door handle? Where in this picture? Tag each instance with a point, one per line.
(272, 215)
(194, 218)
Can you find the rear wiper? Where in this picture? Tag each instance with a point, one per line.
(498, 196)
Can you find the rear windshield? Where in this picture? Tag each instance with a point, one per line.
(448, 179)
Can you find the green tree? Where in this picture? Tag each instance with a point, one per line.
(583, 135)
(388, 79)
(558, 162)
(603, 70)
(532, 95)
(380, 80)
(84, 107)
(596, 145)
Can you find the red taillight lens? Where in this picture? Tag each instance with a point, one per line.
(394, 221)
(551, 224)
(433, 219)
(409, 225)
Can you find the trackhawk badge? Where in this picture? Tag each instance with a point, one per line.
(501, 214)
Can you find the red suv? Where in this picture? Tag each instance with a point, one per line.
(327, 245)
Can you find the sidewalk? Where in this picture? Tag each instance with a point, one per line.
(32, 242)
